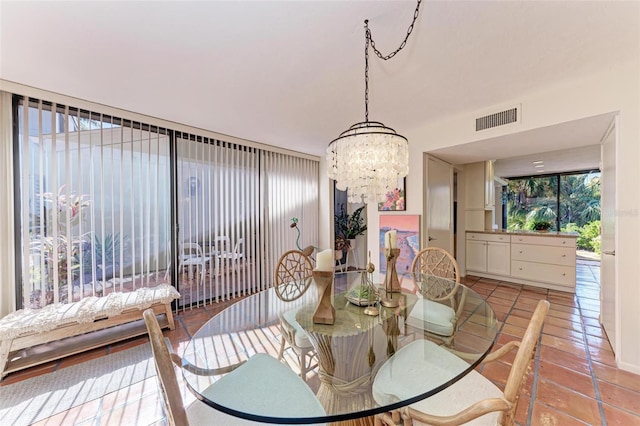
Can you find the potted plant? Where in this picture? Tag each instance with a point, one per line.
(541, 225)
(348, 227)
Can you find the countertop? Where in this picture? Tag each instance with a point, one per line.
(523, 232)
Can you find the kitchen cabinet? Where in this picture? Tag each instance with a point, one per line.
(479, 195)
(498, 258)
(545, 260)
(489, 186)
(477, 256)
(488, 253)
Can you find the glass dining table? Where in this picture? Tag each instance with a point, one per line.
(352, 351)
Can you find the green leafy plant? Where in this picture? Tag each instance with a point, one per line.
(348, 226)
(588, 235)
(540, 225)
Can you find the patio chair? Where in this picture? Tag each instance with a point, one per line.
(236, 256)
(474, 399)
(292, 279)
(284, 388)
(191, 255)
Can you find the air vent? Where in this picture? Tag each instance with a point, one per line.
(501, 118)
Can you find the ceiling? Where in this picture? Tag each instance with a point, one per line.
(290, 73)
(515, 153)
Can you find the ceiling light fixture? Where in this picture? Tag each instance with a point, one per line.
(540, 165)
(367, 159)
(538, 162)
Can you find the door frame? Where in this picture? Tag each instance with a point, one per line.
(425, 198)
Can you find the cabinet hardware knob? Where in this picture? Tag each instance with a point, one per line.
(564, 242)
(564, 255)
(520, 251)
(520, 269)
(564, 274)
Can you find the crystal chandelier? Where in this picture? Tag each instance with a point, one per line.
(368, 159)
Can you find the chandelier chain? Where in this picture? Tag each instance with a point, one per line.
(404, 42)
(369, 40)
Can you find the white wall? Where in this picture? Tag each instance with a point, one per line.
(616, 90)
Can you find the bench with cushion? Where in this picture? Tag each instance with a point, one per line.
(30, 337)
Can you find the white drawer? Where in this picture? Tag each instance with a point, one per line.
(556, 274)
(544, 254)
(479, 236)
(544, 241)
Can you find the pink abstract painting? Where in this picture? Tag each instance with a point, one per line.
(408, 239)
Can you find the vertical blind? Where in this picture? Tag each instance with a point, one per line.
(290, 190)
(95, 208)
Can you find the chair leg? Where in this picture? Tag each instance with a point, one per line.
(302, 359)
(282, 345)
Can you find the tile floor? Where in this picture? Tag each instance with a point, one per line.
(574, 380)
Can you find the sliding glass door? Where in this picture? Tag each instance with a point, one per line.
(94, 203)
(218, 200)
(106, 204)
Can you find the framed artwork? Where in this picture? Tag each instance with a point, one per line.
(395, 200)
(407, 236)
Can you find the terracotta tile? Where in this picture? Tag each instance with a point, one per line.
(617, 417)
(564, 315)
(525, 306)
(498, 301)
(562, 301)
(517, 321)
(522, 409)
(553, 330)
(564, 344)
(513, 330)
(482, 291)
(128, 344)
(620, 397)
(565, 359)
(522, 314)
(602, 356)
(617, 376)
(497, 372)
(564, 308)
(595, 331)
(590, 314)
(571, 379)
(568, 324)
(597, 342)
(544, 415)
(531, 291)
(569, 402)
(177, 337)
(505, 338)
(595, 322)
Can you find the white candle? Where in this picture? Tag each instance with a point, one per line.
(324, 260)
(390, 240)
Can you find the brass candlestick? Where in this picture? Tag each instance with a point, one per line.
(325, 313)
(391, 282)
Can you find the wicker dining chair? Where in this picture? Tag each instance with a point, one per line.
(442, 302)
(474, 399)
(293, 276)
(278, 392)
